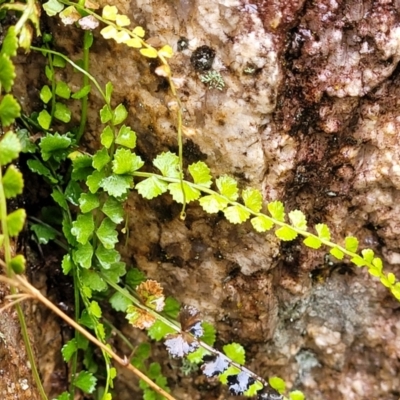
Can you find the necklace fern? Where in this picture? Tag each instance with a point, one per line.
(226, 199)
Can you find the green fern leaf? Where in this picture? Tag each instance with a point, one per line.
(368, 255)
(200, 173)
(388, 280)
(252, 199)
(376, 269)
(119, 114)
(92, 280)
(55, 146)
(395, 289)
(62, 90)
(232, 370)
(149, 52)
(82, 92)
(253, 389)
(105, 114)
(191, 193)
(296, 395)
(119, 302)
(298, 219)
(53, 7)
(88, 202)
(337, 253)
(45, 94)
(10, 43)
(126, 137)
(85, 381)
(235, 352)
(94, 180)
(114, 210)
(106, 257)
(277, 383)
(58, 62)
(18, 264)
(83, 228)
(262, 223)
(159, 330)
(110, 13)
(277, 210)
(168, 164)
(151, 187)
(115, 271)
(9, 110)
(95, 309)
(62, 112)
(236, 214)
(286, 233)
(13, 182)
(209, 333)
(83, 255)
(126, 162)
(107, 233)
(59, 198)
(227, 186)
(69, 349)
(351, 244)
(7, 72)
(107, 137)
(213, 203)
(323, 231)
(15, 221)
(312, 242)
(117, 185)
(82, 166)
(44, 119)
(359, 261)
(100, 159)
(10, 147)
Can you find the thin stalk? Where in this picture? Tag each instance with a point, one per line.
(39, 221)
(180, 140)
(119, 333)
(10, 274)
(16, 298)
(56, 241)
(53, 88)
(87, 42)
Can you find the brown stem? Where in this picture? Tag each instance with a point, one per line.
(24, 285)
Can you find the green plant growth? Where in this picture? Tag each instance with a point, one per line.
(213, 80)
(11, 180)
(91, 195)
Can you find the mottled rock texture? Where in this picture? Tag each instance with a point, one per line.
(309, 114)
(16, 382)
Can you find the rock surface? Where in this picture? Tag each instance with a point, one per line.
(309, 115)
(16, 381)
